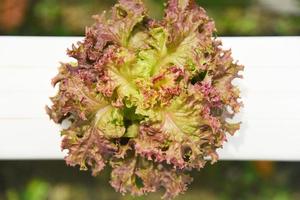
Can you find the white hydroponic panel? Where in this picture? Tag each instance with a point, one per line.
(270, 91)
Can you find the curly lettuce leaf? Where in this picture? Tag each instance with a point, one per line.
(140, 176)
(87, 146)
(74, 96)
(126, 15)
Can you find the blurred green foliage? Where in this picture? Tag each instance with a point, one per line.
(232, 17)
(53, 180)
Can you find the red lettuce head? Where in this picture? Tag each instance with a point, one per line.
(148, 98)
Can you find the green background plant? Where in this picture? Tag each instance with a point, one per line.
(233, 17)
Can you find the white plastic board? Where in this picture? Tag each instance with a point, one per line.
(270, 91)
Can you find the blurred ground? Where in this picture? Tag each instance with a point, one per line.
(226, 180)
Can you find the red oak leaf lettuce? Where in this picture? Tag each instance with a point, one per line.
(148, 98)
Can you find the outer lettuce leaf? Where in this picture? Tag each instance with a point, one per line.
(181, 136)
(161, 54)
(118, 30)
(125, 16)
(140, 176)
(74, 97)
(154, 177)
(90, 149)
(190, 30)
